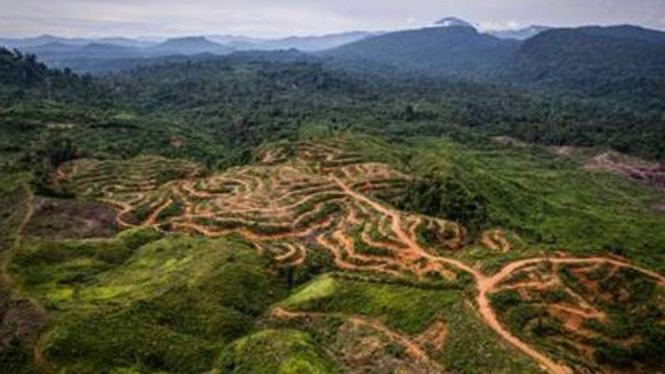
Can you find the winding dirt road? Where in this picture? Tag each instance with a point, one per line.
(486, 284)
(274, 198)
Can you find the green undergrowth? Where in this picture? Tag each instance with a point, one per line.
(145, 304)
(632, 333)
(56, 272)
(547, 201)
(27, 131)
(16, 354)
(384, 302)
(550, 202)
(470, 347)
(275, 352)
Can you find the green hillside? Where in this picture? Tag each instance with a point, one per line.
(268, 213)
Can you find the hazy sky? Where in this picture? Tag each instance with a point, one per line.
(267, 18)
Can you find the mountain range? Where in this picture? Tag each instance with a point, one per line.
(593, 58)
(57, 50)
(54, 49)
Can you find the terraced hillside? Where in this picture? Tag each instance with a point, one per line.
(298, 263)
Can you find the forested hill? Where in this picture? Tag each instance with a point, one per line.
(621, 63)
(23, 76)
(615, 61)
(447, 51)
(242, 100)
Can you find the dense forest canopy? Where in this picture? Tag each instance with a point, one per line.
(248, 98)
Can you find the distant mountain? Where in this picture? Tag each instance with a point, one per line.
(189, 46)
(100, 50)
(627, 33)
(625, 63)
(591, 55)
(215, 44)
(41, 41)
(454, 51)
(315, 43)
(126, 42)
(50, 48)
(234, 41)
(54, 52)
(453, 22)
(44, 40)
(520, 34)
(304, 43)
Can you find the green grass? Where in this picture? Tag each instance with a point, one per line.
(551, 202)
(56, 272)
(470, 347)
(473, 348)
(143, 303)
(323, 287)
(384, 302)
(16, 354)
(274, 352)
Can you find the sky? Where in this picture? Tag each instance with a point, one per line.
(279, 18)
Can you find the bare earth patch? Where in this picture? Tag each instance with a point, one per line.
(58, 219)
(634, 168)
(563, 151)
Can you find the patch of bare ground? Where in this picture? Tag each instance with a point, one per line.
(434, 337)
(362, 350)
(58, 219)
(364, 346)
(177, 142)
(648, 172)
(509, 141)
(19, 319)
(563, 151)
(496, 241)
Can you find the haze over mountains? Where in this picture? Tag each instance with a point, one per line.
(47, 46)
(593, 59)
(55, 49)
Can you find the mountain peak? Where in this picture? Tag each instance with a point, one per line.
(190, 45)
(453, 22)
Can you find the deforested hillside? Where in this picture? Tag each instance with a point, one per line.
(299, 259)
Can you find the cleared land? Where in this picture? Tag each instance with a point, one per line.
(311, 197)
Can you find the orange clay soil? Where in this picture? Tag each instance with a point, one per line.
(264, 204)
(496, 241)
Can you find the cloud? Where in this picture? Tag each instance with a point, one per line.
(274, 18)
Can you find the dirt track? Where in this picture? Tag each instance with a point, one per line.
(256, 201)
(413, 348)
